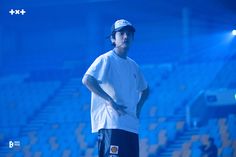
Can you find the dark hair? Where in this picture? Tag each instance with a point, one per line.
(113, 36)
(211, 139)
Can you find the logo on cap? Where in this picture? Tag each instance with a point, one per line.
(122, 23)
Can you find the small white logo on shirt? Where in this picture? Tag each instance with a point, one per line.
(114, 149)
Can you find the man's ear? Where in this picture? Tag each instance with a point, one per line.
(112, 40)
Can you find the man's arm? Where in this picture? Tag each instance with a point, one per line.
(92, 84)
(144, 96)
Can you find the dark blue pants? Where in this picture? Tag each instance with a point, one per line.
(117, 143)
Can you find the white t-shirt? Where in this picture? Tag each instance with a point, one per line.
(123, 81)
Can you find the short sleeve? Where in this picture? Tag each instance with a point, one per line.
(98, 69)
(142, 83)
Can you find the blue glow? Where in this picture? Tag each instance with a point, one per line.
(234, 32)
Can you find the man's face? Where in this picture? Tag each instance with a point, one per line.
(123, 38)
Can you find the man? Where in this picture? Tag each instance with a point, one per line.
(209, 150)
(118, 94)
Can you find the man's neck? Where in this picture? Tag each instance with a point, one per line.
(120, 52)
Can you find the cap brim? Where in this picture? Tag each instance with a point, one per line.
(130, 28)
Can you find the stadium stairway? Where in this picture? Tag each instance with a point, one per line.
(173, 147)
(39, 118)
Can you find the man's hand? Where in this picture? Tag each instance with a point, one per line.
(92, 84)
(120, 109)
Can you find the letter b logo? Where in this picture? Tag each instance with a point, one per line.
(11, 144)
